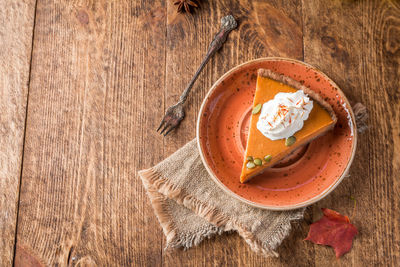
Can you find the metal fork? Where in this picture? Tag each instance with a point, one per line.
(176, 113)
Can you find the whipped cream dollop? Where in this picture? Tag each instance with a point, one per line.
(284, 115)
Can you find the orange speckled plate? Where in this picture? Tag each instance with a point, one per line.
(304, 177)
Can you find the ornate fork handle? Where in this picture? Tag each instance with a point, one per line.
(228, 24)
(175, 114)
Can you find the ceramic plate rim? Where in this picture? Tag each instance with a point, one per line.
(269, 207)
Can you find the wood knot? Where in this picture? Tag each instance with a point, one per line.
(329, 42)
(83, 17)
(393, 39)
(361, 116)
(336, 49)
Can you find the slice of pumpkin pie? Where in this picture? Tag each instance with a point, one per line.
(285, 116)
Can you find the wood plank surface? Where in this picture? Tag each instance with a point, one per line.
(357, 44)
(16, 20)
(265, 29)
(103, 73)
(97, 84)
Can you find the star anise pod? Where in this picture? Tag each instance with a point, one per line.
(185, 5)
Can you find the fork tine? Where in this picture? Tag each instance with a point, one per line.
(170, 129)
(165, 128)
(161, 124)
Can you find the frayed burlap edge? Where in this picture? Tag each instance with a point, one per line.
(164, 216)
(154, 182)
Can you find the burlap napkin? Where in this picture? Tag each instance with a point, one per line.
(191, 207)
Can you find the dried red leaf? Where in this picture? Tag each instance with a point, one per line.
(334, 230)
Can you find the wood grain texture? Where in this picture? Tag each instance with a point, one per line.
(16, 20)
(97, 68)
(357, 44)
(103, 73)
(265, 29)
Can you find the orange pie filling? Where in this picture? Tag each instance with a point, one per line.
(266, 148)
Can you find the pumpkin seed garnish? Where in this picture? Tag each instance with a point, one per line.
(290, 141)
(268, 158)
(249, 158)
(256, 109)
(250, 165)
(258, 161)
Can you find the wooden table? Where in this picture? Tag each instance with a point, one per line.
(83, 85)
